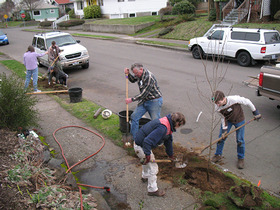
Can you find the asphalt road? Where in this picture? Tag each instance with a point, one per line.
(185, 88)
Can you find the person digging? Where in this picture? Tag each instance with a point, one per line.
(148, 137)
(229, 107)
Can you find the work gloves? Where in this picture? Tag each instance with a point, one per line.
(257, 115)
(224, 134)
(147, 159)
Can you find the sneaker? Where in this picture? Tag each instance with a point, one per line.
(216, 158)
(144, 179)
(157, 193)
(240, 164)
(37, 91)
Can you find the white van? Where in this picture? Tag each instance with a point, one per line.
(245, 45)
(73, 53)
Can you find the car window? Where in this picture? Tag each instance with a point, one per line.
(249, 36)
(271, 37)
(218, 35)
(1, 33)
(61, 40)
(34, 41)
(41, 43)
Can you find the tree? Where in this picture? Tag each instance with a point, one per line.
(30, 5)
(7, 6)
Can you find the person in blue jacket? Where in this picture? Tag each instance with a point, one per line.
(155, 133)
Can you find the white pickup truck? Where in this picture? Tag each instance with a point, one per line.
(245, 45)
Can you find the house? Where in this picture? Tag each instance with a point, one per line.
(62, 4)
(121, 8)
(45, 11)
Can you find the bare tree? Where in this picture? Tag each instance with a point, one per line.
(30, 5)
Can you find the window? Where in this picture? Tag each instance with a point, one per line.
(41, 43)
(120, 0)
(100, 2)
(80, 5)
(34, 42)
(51, 10)
(154, 13)
(271, 37)
(132, 15)
(37, 12)
(249, 36)
(218, 35)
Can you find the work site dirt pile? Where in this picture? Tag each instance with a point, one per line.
(195, 176)
(27, 183)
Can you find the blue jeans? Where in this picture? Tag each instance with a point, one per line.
(34, 74)
(153, 107)
(239, 140)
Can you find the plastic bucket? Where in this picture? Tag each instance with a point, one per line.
(75, 94)
(143, 121)
(122, 119)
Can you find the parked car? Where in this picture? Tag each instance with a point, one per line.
(245, 45)
(73, 54)
(269, 82)
(3, 38)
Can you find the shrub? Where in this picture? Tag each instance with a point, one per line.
(274, 7)
(194, 2)
(173, 2)
(72, 14)
(165, 10)
(212, 15)
(16, 107)
(45, 23)
(277, 15)
(69, 23)
(183, 7)
(67, 10)
(92, 11)
(166, 30)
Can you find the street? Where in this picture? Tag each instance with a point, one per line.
(184, 86)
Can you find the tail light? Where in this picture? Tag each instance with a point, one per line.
(263, 49)
(261, 79)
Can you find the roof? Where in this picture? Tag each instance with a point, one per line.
(63, 2)
(44, 5)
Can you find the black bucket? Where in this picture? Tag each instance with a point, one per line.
(143, 121)
(122, 119)
(75, 94)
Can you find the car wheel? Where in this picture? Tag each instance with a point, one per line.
(197, 52)
(244, 59)
(8, 43)
(85, 66)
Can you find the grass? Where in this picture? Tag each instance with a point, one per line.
(94, 36)
(163, 43)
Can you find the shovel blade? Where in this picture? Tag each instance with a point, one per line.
(127, 140)
(181, 161)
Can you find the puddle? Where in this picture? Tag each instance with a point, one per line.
(100, 176)
(186, 130)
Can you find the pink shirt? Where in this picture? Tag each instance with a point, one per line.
(30, 59)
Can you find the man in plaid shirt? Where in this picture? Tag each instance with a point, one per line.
(149, 99)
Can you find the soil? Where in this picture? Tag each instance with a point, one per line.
(194, 175)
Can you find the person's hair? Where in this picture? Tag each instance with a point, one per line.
(53, 43)
(137, 66)
(178, 118)
(218, 96)
(30, 48)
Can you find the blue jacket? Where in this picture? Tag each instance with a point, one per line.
(154, 133)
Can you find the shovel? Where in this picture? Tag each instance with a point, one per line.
(219, 139)
(127, 137)
(181, 161)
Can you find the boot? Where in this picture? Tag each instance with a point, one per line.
(158, 193)
(216, 158)
(240, 164)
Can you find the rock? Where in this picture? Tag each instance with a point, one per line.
(55, 163)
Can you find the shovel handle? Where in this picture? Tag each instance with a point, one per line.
(161, 161)
(126, 84)
(54, 60)
(219, 139)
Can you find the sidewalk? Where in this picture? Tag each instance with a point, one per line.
(111, 166)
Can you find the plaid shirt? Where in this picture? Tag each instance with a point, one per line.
(148, 87)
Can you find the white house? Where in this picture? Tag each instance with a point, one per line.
(121, 8)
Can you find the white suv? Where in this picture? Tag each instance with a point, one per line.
(73, 53)
(245, 45)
